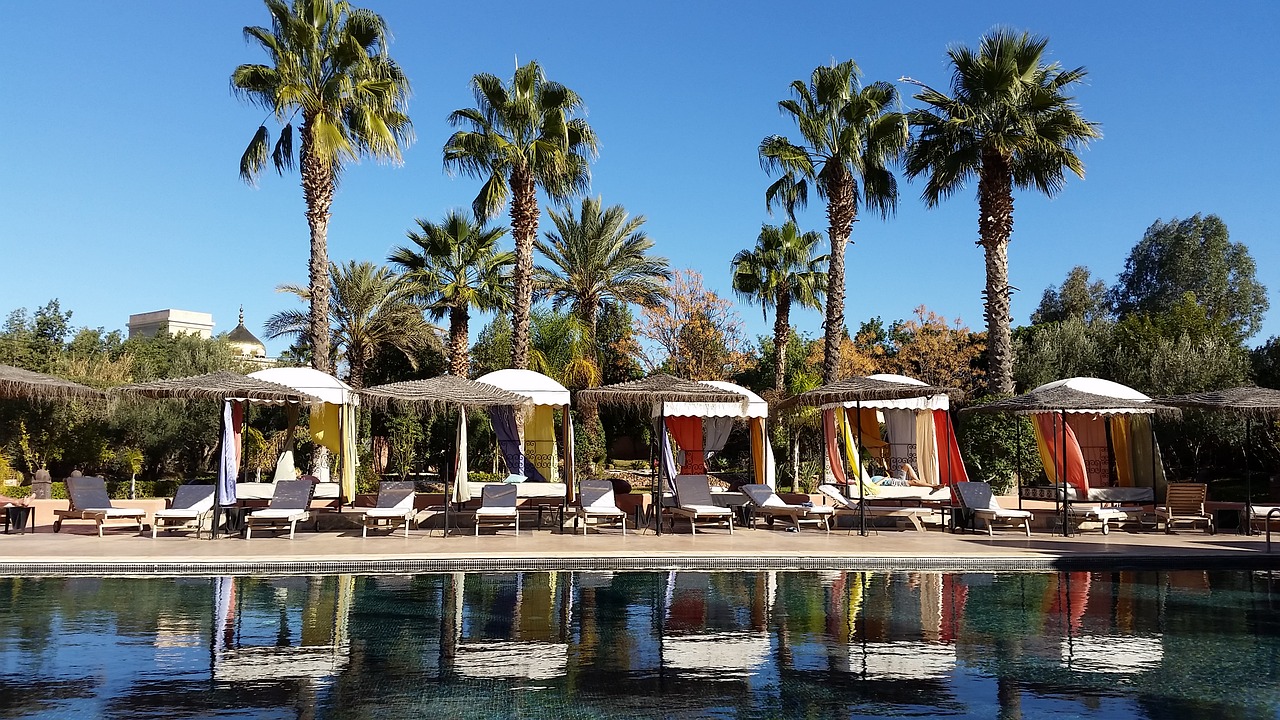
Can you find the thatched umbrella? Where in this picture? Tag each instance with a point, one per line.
(220, 386)
(1247, 401)
(16, 383)
(1077, 395)
(858, 390)
(437, 393)
(654, 392)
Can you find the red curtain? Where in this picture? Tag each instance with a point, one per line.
(950, 464)
(833, 448)
(688, 434)
(1051, 428)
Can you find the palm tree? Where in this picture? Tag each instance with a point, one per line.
(1007, 122)
(457, 266)
(599, 258)
(521, 137)
(368, 310)
(330, 71)
(779, 271)
(850, 134)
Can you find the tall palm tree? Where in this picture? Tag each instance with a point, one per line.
(520, 137)
(457, 266)
(849, 135)
(368, 310)
(779, 271)
(599, 258)
(329, 70)
(1009, 123)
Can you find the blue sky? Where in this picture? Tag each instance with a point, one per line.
(119, 190)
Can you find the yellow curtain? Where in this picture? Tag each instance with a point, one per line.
(872, 440)
(540, 441)
(845, 421)
(757, 450)
(1120, 433)
(326, 426)
(926, 447)
(1047, 460)
(349, 456)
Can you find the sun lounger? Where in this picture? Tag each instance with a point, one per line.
(976, 497)
(498, 507)
(766, 503)
(1184, 503)
(693, 502)
(289, 506)
(393, 508)
(89, 501)
(847, 507)
(596, 501)
(1106, 505)
(192, 507)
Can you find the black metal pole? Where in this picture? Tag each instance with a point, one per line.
(217, 486)
(662, 466)
(1062, 453)
(1017, 456)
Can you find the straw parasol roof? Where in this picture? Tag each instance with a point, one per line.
(17, 383)
(439, 391)
(1078, 395)
(862, 389)
(658, 388)
(1243, 400)
(222, 385)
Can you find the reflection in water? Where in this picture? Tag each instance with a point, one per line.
(678, 644)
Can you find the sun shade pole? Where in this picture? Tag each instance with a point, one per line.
(1062, 453)
(1248, 481)
(658, 484)
(857, 471)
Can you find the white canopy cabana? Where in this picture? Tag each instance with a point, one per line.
(333, 422)
(755, 410)
(539, 440)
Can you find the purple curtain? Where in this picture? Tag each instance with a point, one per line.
(504, 425)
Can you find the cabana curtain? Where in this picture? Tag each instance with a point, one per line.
(1049, 432)
(504, 425)
(951, 466)
(687, 432)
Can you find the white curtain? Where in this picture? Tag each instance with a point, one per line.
(715, 434)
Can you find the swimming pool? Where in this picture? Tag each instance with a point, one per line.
(620, 645)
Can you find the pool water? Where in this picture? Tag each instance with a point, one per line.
(1184, 644)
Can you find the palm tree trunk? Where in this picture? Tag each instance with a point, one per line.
(524, 228)
(781, 336)
(995, 226)
(841, 212)
(317, 189)
(459, 360)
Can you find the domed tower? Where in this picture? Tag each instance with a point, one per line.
(248, 345)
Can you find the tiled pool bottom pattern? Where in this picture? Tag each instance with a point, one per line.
(76, 551)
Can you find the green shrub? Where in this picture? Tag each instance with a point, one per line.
(16, 491)
(998, 448)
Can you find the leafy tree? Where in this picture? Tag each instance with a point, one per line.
(492, 349)
(368, 309)
(1266, 363)
(1080, 297)
(1009, 123)
(849, 135)
(330, 69)
(616, 343)
(779, 270)
(599, 259)
(933, 351)
(457, 266)
(520, 137)
(1194, 256)
(697, 335)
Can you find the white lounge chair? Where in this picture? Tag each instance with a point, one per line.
(289, 505)
(766, 503)
(89, 501)
(693, 502)
(498, 507)
(596, 501)
(976, 497)
(1106, 505)
(1184, 503)
(848, 507)
(192, 507)
(393, 508)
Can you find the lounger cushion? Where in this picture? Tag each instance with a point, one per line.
(496, 512)
(116, 512)
(278, 514)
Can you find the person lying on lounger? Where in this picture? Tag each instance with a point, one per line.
(6, 501)
(906, 476)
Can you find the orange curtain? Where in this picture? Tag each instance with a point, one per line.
(950, 465)
(688, 434)
(1091, 433)
(1051, 429)
(833, 447)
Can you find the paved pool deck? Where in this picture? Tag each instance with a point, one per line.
(78, 550)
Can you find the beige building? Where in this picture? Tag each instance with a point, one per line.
(175, 322)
